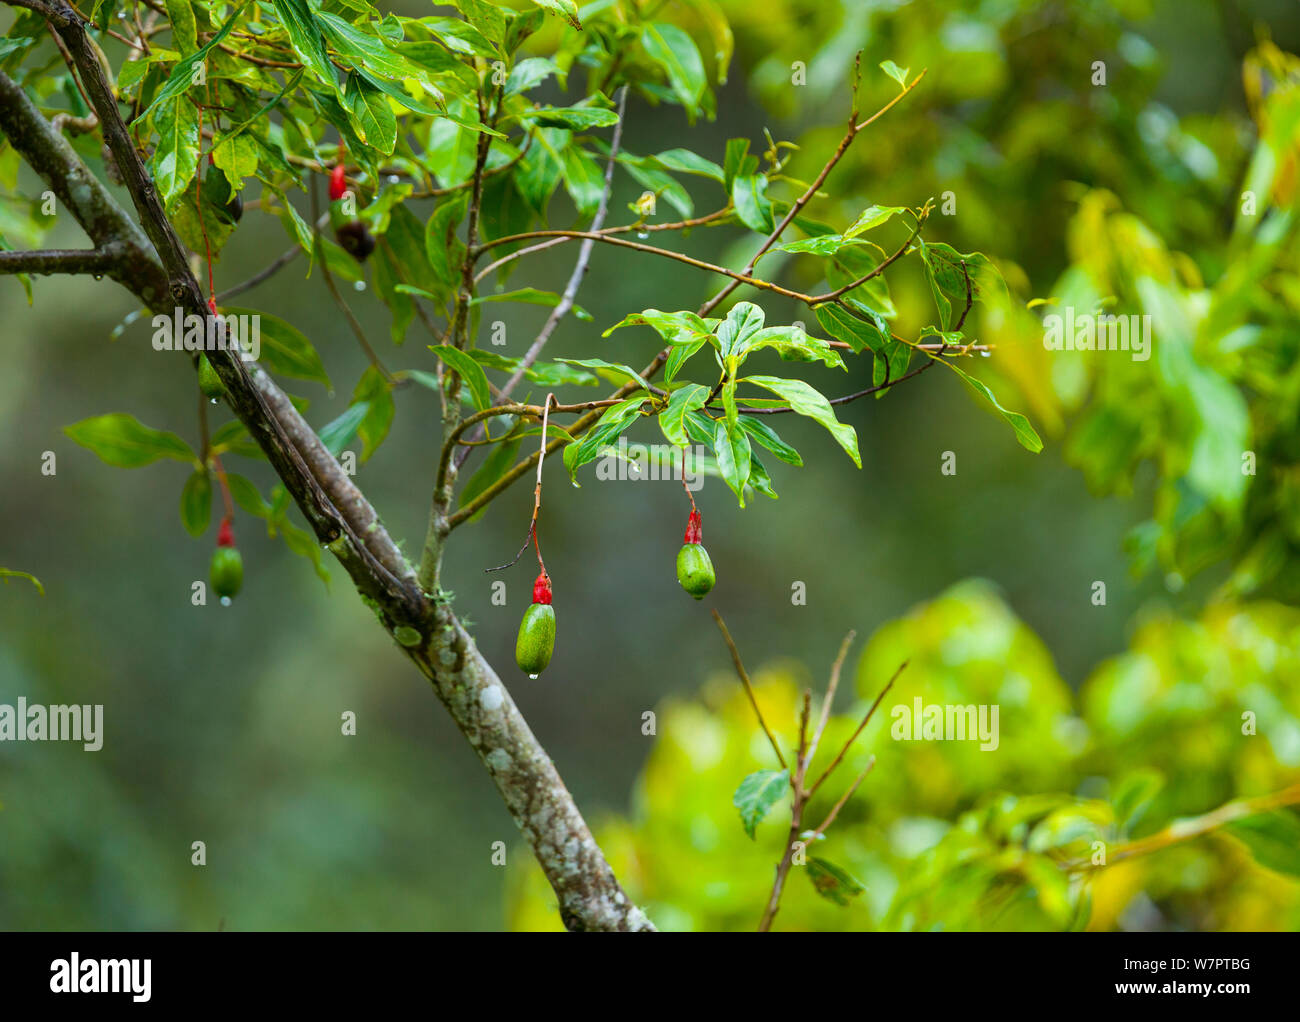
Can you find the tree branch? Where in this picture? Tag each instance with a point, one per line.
(97, 261)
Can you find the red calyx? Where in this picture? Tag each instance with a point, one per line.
(212, 305)
(225, 536)
(542, 589)
(693, 532)
(338, 182)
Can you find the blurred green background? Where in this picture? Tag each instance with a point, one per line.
(223, 724)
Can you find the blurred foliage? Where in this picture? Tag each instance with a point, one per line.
(946, 836)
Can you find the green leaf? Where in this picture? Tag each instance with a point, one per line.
(956, 278)
(1133, 794)
(673, 327)
(614, 421)
(245, 494)
(743, 321)
(574, 118)
(731, 447)
(675, 51)
(305, 38)
(715, 23)
(873, 216)
(683, 161)
(337, 434)
(532, 296)
(486, 17)
(176, 157)
(548, 374)
(766, 436)
(757, 794)
(678, 355)
(737, 155)
(832, 882)
(1273, 839)
(899, 74)
(794, 345)
(1024, 431)
(375, 392)
(8, 573)
(182, 75)
(749, 194)
(806, 401)
(584, 180)
(683, 401)
(855, 332)
(372, 117)
(443, 251)
(613, 367)
(363, 50)
(124, 441)
(529, 73)
(566, 9)
(285, 349)
(470, 371)
(196, 502)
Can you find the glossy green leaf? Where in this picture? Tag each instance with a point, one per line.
(285, 349)
(672, 419)
(124, 441)
(832, 882)
(1024, 430)
(675, 51)
(196, 502)
(757, 794)
(805, 400)
(470, 372)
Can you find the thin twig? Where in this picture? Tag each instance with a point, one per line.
(830, 694)
(835, 811)
(854, 737)
(749, 689)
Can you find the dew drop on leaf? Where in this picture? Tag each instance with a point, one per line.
(226, 601)
(533, 677)
(360, 285)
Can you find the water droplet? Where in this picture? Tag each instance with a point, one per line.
(533, 677)
(393, 179)
(360, 285)
(121, 15)
(986, 354)
(643, 235)
(99, 276)
(226, 601)
(213, 401)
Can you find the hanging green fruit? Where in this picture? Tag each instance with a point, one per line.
(694, 569)
(536, 640)
(227, 570)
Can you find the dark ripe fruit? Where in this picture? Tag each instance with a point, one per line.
(356, 240)
(234, 209)
(209, 382)
(695, 570)
(536, 640)
(227, 572)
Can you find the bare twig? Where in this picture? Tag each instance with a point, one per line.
(749, 689)
(854, 737)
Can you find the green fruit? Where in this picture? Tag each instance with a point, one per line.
(695, 570)
(227, 573)
(209, 382)
(536, 640)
